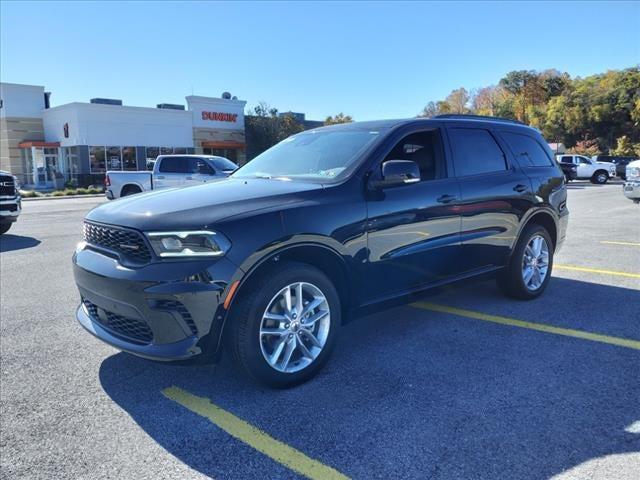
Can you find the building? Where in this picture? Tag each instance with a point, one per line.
(46, 147)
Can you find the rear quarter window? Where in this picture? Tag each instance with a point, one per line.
(527, 150)
(475, 152)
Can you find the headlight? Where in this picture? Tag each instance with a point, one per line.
(200, 243)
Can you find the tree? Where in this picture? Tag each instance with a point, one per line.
(264, 128)
(588, 148)
(457, 101)
(339, 118)
(430, 110)
(624, 147)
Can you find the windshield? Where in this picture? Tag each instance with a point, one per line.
(221, 163)
(315, 155)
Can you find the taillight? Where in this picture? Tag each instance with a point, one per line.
(107, 181)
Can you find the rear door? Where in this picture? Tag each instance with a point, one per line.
(495, 194)
(170, 172)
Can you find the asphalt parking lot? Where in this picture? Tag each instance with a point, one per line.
(465, 384)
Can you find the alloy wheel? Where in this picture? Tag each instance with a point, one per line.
(294, 327)
(535, 263)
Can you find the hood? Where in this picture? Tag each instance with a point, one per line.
(201, 206)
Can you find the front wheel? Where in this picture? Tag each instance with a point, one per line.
(284, 327)
(600, 177)
(529, 269)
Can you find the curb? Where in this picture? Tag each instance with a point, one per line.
(62, 197)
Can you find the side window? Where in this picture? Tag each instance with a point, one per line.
(527, 150)
(567, 159)
(475, 151)
(424, 148)
(173, 165)
(198, 165)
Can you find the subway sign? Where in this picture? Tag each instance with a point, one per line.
(220, 117)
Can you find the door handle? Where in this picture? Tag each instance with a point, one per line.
(520, 188)
(189, 178)
(445, 198)
(161, 177)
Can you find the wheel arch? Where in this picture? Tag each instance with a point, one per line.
(545, 219)
(131, 185)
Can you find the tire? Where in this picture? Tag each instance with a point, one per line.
(251, 346)
(130, 190)
(600, 177)
(512, 280)
(4, 228)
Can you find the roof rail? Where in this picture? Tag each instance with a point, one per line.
(463, 116)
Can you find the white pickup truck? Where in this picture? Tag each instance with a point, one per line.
(588, 169)
(631, 188)
(169, 171)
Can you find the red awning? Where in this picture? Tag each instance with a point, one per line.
(39, 144)
(226, 144)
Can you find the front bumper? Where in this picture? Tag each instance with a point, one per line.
(162, 311)
(632, 190)
(10, 209)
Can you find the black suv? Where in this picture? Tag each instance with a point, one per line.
(326, 225)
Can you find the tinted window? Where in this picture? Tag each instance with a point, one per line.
(198, 165)
(567, 160)
(527, 150)
(220, 163)
(174, 165)
(475, 151)
(424, 148)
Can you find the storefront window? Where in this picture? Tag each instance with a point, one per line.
(180, 151)
(152, 154)
(71, 162)
(97, 158)
(114, 158)
(129, 158)
(166, 150)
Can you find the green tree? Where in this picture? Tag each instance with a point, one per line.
(339, 118)
(264, 128)
(624, 147)
(586, 147)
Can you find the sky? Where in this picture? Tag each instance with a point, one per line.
(367, 59)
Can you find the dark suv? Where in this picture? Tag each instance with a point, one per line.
(326, 225)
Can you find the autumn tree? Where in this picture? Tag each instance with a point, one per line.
(339, 118)
(264, 128)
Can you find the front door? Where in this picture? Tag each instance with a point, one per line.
(413, 230)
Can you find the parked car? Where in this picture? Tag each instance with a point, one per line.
(631, 187)
(620, 162)
(326, 225)
(168, 171)
(570, 171)
(10, 201)
(587, 169)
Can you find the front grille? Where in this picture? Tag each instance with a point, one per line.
(174, 305)
(12, 208)
(130, 329)
(129, 244)
(7, 186)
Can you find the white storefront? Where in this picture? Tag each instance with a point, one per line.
(77, 142)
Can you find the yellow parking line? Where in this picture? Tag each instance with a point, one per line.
(630, 244)
(254, 437)
(541, 327)
(596, 270)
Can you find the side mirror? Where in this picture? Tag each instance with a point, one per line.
(396, 173)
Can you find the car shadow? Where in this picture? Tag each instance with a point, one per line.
(411, 393)
(10, 242)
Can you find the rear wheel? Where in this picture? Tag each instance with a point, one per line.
(4, 228)
(600, 177)
(529, 269)
(130, 190)
(284, 328)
